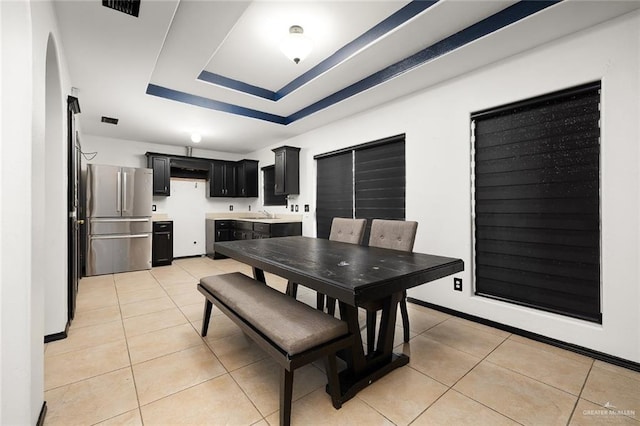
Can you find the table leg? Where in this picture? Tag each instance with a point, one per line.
(363, 370)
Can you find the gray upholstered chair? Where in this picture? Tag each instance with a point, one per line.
(395, 235)
(346, 231)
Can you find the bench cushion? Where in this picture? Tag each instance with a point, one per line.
(290, 324)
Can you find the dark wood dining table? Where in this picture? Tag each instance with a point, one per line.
(355, 276)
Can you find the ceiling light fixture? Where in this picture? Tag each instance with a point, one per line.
(296, 46)
(196, 137)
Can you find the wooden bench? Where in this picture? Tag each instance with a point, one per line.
(293, 333)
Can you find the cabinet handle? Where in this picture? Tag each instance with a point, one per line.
(168, 237)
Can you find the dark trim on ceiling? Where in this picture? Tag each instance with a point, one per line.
(621, 362)
(497, 21)
(237, 85)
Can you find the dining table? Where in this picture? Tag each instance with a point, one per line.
(356, 276)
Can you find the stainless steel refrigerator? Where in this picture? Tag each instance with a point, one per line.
(119, 215)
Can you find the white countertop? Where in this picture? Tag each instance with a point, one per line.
(255, 217)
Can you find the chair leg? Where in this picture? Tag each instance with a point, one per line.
(371, 331)
(405, 316)
(320, 301)
(331, 306)
(286, 395)
(333, 381)
(292, 289)
(206, 316)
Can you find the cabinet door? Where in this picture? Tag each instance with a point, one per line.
(287, 170)
(247, 178)
(229, 179)
(280, 163)
(162, 246)
(216, 179)
(161, 175)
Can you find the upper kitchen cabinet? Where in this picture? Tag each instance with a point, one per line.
(222, 179)
(161, 166)
(287, 170)
(247, 178)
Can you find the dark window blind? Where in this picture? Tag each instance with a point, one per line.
(334, 195)
(270, 198)
(373, 173)
(380, 182)
(537, 203)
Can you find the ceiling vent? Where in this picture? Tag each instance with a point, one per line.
(130, 7)
(109, 120)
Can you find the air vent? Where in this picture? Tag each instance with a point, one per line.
(130, 7)
(109, 120)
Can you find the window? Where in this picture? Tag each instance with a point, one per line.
(365, 181)
(537, 202)
(269, 179)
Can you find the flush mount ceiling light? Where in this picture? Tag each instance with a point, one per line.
(196, 137)
(296, 46)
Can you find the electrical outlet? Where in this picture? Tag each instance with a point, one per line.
(457, 284)
(296, 207)
(306, 208)
(153, 207)
(231, 207)
(291, 207)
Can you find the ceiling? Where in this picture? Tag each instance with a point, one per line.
(215, 68)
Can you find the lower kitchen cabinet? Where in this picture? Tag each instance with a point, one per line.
(162, 246)
(230, 230)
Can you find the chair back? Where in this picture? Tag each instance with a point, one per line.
(347, 230)
(393, 234)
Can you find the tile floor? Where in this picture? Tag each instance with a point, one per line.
(134, 356)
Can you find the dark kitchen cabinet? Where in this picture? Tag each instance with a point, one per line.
(271, 230)
(162, 245)
(217, 231)
(247, 178)
(222, 179)
(161, 174)
(287, 171)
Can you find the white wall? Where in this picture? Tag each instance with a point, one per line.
(436, 123)
(26, 102)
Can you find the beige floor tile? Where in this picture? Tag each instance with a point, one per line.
(96, 316)
(175, 372)
(78, 365)
(485, 328)
(618, 370)
(130, 418)
(146, 306)
(162, 342)
(95, 299)
(170, 274)
(236, 351)
(188, 297)
(261, 382)
(402, 395)
(93, 400)
(147, 323)
(181, 287)
(555, 370)
(220, 326)
(421, 319)
(589, 414)
(154, 292)
(607, 388)
(520, 398)
(134, 276)
(215, 402)
(552, 349)
(194, 312)
(456, 409)
(316, 409)
(441, 362)
(87, 337)
(464, 338)
(398, 335)
(128, 286)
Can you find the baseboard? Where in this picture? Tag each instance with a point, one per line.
(58, 336)
(43, 413)
(621, 362)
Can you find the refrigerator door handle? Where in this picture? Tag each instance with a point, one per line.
(137, 219)
(119, 193)
(118, 236)
(124, 192)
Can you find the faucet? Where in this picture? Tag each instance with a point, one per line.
(266, 213)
